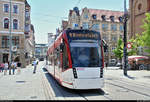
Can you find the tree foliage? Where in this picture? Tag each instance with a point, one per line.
(146, 33)
(136, 42)
(119, 50)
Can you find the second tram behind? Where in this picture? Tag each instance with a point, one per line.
(76, 60)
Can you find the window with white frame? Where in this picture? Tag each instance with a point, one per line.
(113, 48)
(15, 41)
(86, 16)
(6, 8)
(85, 25)
(15, 24)
(6, 23)
(121, 28)
(95, 27)
(5, 41)
(114, 27)
(75, 25)
(15, 9)
(114, 38)
(105, 26)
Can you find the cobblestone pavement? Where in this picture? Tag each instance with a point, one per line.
(29, 86)
(141, 76)
(23, 86)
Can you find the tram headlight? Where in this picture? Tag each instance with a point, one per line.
(101, 72)
(75, 73)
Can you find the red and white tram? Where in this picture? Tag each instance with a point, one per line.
(76, 60)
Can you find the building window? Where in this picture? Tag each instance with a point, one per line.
(5, 41)
(114, 38)
(94, 16)
(15, 41)
(6, 23)
(120, 19)
(86, 16)
(121, 36)
(148, 5)
(95, 27)
(105, 26)
(85, 25)
(103, 17)
(105, 38)
(6, 8)
(112, 18)
(15, 24)
(114, 27)
(27, 28)
(121, 28)
(113, 48)
(15, 9)
(74, 25)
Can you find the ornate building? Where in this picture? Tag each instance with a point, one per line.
(137, 9)
(29, 36)
(17, 25)
(108, 23)
(17, 29)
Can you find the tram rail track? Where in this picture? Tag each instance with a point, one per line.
(130, 86)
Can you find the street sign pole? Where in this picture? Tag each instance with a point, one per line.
(125, 39)
(10, 39)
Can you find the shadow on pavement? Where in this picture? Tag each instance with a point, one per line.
(133, 78)
(61, 91)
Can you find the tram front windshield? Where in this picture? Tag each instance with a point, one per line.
(86, 56)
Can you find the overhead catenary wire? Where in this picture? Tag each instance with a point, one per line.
(78, 2)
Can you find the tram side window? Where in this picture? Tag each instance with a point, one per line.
(57, 57)
(65, 59)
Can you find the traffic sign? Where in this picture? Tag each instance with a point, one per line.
(129, 45)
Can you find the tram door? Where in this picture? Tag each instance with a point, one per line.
(5, 58)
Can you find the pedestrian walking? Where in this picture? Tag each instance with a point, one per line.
(2, 67)
(18, 68)
(13, 66)
(34, 64)
(5, 68)
(106, 63)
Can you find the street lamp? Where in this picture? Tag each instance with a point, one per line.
(10, 40)
(125, 39)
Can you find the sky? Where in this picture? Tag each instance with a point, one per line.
(46, 15)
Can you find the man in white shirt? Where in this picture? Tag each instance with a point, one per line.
(34, 64)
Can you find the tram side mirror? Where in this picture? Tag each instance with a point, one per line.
(105, 46)
(61, 47)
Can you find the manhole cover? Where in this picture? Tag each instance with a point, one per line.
(146, 76)
(20, 81)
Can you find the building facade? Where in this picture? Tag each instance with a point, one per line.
(17, 29)
(29, 36)
(108, 23)
(17, 26)
(137, 9)
(41, 50)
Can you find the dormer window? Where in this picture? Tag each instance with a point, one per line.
(103, 17)
(94, 16)
(120, 19)
(112, 18)
(86, 16)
